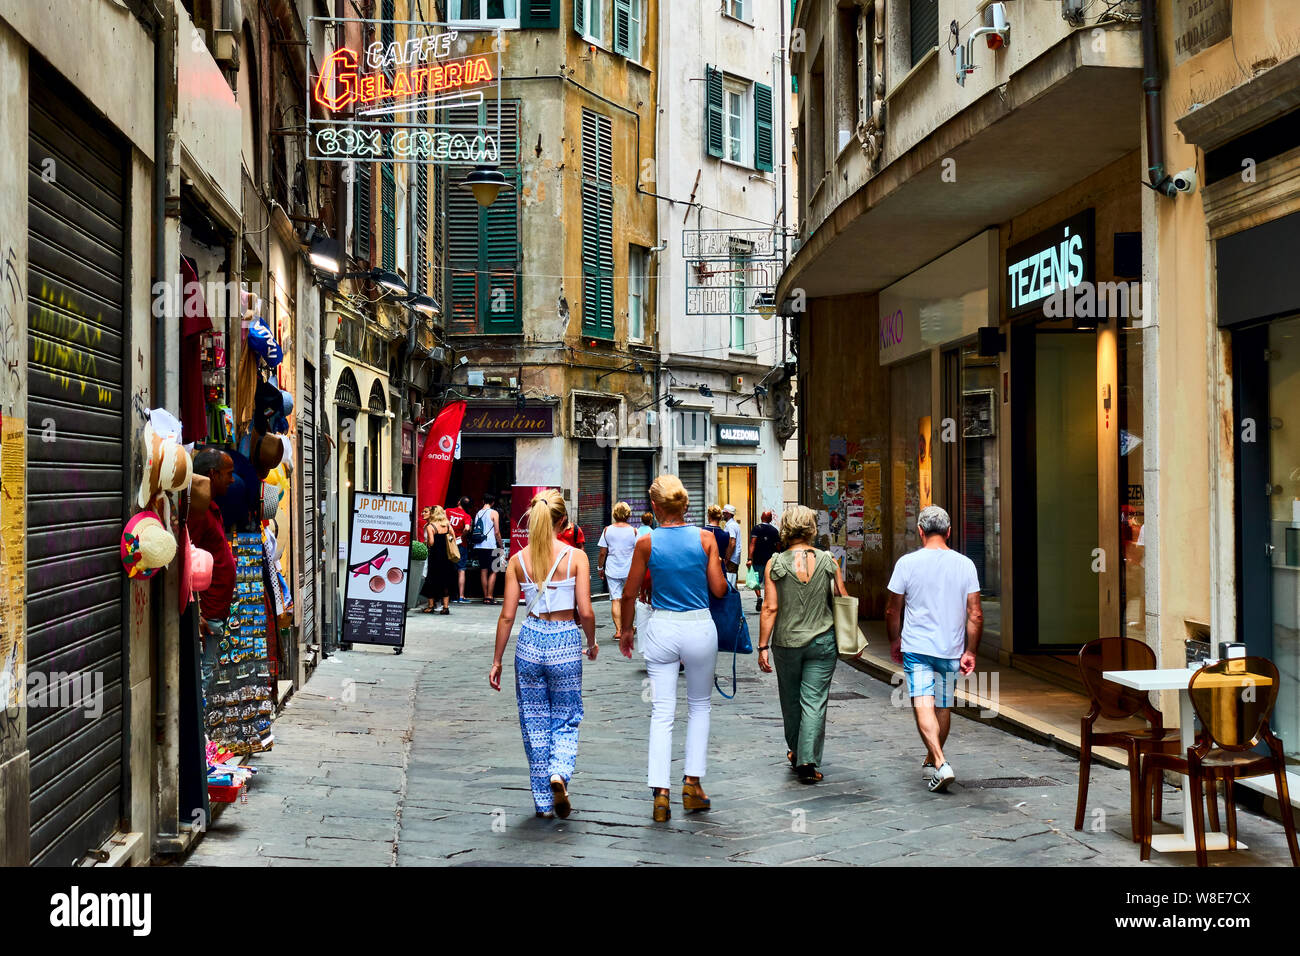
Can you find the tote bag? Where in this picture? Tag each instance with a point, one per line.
(849, 639)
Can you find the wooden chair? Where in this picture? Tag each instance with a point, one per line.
(1115, 702)
(1233, 700)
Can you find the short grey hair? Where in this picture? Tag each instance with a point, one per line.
(934, 520)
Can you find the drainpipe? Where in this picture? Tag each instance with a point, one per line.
(1160, 180)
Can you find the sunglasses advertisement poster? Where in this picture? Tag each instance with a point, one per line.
(378, 561)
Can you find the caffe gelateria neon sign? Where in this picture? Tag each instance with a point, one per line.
(341, 84)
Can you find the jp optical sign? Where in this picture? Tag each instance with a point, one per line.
(1055, 260)
(403, 91)
(378, 562)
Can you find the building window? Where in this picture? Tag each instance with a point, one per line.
(693, 429)
(637, 258)
(597, 225)
(589, 20)
(628, 20)
(740, 256)
(923, 28)
(483, 244)
(488, 13)
(848, 88)
(738, 9)
(736, 99)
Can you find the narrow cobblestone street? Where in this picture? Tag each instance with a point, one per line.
(412, 760)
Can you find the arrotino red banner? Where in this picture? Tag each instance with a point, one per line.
(436, 458)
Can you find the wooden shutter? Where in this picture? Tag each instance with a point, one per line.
(388, 217)
(924, 27)
(597, 225)
(623, 27)
(540, 13)
(580, 16)
(462, 257)
(437, 185)
(762, 127)
(361, 211)
(713, 111)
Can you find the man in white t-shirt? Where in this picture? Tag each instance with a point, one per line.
(935, 622)
(732, 558)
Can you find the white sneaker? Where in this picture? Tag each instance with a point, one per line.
(941, 778)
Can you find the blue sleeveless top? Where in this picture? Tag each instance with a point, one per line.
(677, 569)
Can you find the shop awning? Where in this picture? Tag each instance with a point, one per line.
(1067, 114)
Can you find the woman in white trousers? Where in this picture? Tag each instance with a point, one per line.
(682, 561)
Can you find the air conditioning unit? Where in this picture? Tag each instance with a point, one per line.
(225, 49)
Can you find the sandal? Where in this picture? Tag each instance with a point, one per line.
(789, 755)
(809, 774)
(426, 610)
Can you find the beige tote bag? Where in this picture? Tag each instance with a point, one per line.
(849, 639)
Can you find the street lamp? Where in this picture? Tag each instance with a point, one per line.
(485, 182)
(327, 254)
(423, 304)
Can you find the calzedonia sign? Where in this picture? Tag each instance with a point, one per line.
(379, 559)
(1054, 260)
(739, 435)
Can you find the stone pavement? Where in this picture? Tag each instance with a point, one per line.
(412, 760)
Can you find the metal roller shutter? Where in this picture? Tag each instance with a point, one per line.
(634, 484)
(593, 512)
(76, 485)
(311, 519)
(691, 474)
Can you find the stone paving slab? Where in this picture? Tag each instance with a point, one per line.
(412, 760)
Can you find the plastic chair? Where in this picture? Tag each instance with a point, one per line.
(1116, 702)
(1233, 700)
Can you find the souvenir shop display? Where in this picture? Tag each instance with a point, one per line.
(238, 704)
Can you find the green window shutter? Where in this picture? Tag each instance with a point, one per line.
(623, 27)
(597, 225)
(462, 256)
(713, 113)
(500, 262)
(539, 14)
(388, 215)
(580, 17)
(762, 127)
(361, 211)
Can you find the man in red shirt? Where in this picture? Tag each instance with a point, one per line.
(208, 532)
(459, 519)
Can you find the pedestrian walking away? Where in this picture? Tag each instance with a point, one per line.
(731, 558)
(764, 541)
(683, 559)
(485, 536)
(460, 521)
(647, 524)
(714, 526)
(616, 542)
(555, 580)
(935, 622)
(797, 633)
(444, 555)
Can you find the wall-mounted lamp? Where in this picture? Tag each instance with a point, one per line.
(486, 183)
(327, 254)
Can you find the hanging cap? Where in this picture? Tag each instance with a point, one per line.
(262, 342)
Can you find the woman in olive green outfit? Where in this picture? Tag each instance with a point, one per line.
(798, 628)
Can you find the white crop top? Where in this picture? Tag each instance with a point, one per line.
(560, 592)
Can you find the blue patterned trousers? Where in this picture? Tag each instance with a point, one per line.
(548, 686)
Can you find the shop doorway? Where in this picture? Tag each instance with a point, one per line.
(593, 505)
(486, 465)
(1267, 380)
(737, 486)
(76, 486)
(1057, 515)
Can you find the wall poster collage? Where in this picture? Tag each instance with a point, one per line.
(849, 521)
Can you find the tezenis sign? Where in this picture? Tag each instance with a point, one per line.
(1054, 260)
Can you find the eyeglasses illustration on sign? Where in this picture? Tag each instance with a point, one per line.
(417, 98)
(376, 562)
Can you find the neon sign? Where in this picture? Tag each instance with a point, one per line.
(414, 99)
(340, 84)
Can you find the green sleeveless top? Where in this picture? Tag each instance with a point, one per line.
(803, 609)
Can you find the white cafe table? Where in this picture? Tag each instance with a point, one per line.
(1176, 679)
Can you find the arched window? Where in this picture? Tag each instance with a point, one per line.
(346, 393)
(378, 401)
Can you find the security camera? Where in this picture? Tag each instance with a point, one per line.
(464, 360)
(1185, 182)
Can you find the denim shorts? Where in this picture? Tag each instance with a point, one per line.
(932, 677)
(464, 560)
